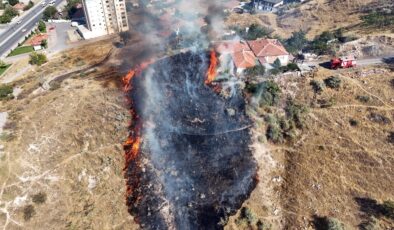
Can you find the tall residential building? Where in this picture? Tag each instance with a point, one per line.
(104, 17)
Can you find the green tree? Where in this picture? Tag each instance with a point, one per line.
(28, 6)
(277, 64)
(296, 42)
(255, 71)
(13, 2)
(44, 43)
(41, 26)
(8, 15)
(49, 13)
(38, 58)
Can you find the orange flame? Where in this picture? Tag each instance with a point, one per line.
(211, 74)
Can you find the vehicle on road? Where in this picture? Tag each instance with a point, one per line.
(43, 4)
(24, 30)
(343, 62)
(74, 24)
(19, 22)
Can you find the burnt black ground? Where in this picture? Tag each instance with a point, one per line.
(196, 167)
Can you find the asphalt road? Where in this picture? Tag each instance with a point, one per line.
(14, 33)
(389, 59)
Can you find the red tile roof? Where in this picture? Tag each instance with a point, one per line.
(37, 39)
(244, 59)
(229, 47)
(19, 6)
(267, 48)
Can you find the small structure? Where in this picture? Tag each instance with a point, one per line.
(268, 50)
(267, 5)
(19, 7)
(36, 40)
(240, 52)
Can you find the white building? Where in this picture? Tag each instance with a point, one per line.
(103, 17)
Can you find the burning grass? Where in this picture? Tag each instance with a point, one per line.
(188, 164)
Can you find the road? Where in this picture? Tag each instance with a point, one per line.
(360, 62)
(14, 33)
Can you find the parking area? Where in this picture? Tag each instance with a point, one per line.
(61, 36)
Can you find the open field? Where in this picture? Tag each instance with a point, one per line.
(341, 161)
(62, 159)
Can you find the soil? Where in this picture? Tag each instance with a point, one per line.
(333, 165)
(66, 142)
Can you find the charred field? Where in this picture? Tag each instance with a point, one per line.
(188, 162)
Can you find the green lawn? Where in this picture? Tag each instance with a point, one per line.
(21, 50)
(2, 70)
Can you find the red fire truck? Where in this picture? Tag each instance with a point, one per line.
(343, 62)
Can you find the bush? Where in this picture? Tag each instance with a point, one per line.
(41, 26)
(277, 64)
(268, 93)
(274, 133)
(334, 224)
(296, 42)
(38, 59)
(378, 19)
(254, 32)
(247, 214)
(295, 112)
(255, 71)
(388, 209)
(5, 91)
(13, 2)
(39, 198)
(28, 212)
(317, 86)
(353, 122)
(363, 98)
(49, 13)
(390, 138)
(28, 6)
(44, 43)
(8, 15)
(320, 44)
(333, 82)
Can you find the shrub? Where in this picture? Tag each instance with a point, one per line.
(28, 6)
(388, 208)
(262, 226)
(390, 138)
(39, 198)
(8, 15)
(268, 93)
(49, 13)
(296, 42)
(292, 67)
(255, 71)
(13, 2)
(5, 91)
(317, 86)
(333, 82)
(353, 122)
(274, 134)
(28, 212)
(334, 224)
(247, 214)
(41, 26)
(277, 64)
(378, 19)
(295, 112)
(38, 59)
(363, 98)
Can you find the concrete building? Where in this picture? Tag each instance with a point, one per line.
(103, 17)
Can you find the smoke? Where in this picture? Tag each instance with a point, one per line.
(195, 166)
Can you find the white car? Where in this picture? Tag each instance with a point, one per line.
(24, 30)
(19, 22)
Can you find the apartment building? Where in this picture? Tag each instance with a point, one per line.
(103, 17)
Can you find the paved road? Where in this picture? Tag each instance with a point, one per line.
(360, 62)
(14, 33)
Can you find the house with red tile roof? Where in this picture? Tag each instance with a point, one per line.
(240, 52)
(19, 7)
(268, 50)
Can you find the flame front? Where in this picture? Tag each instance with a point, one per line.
(211, 74)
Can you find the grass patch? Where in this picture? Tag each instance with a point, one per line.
(21, 50)
(3, 69)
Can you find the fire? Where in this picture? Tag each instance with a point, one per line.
(133, 143)
(211, 74)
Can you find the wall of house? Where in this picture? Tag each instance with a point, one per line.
(284, 60)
